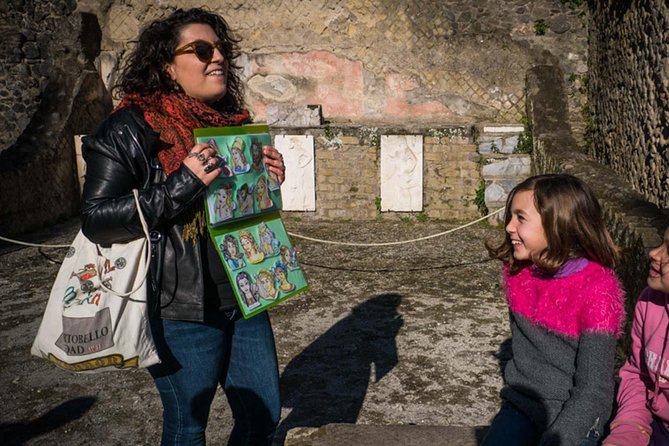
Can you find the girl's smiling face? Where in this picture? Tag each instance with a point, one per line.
(525, 228)
(658, 276)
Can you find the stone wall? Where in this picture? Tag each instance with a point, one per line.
(380, 61)
(629, 92)
(635, 223)
(24, 70)
(347, 172)
(505, 162)
(452, 175)
(50, 91)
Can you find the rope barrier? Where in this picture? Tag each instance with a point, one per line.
(303, 237)
(33, 245)
(329, 242)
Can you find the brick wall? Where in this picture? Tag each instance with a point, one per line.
(347, 171)
(346, 177)
(452, 176)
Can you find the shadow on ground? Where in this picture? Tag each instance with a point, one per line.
(320, 394)
(395, 336)
(16, 434)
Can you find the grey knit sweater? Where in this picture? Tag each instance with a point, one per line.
(564, 333)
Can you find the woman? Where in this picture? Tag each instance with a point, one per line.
(231, 252)
(245, 199)
(265, 285)
(248, 290)
(225, 204)
(181, 76)
(262, 194)
(240, 164)
(269, 245)
(281, 274)
(250, 247)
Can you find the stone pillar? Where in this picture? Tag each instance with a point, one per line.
(38, 173)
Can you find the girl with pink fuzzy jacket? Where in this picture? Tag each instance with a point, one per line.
(566, 311)
(643, 396)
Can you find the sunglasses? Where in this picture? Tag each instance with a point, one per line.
(202, 49)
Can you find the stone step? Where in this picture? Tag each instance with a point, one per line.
(503, 165)
(499, 138)
(500, 129)
(386, 435)
(512, 167)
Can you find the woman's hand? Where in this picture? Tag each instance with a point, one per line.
(274, 162)
(202, 161)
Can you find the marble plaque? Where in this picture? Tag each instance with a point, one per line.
(402, 173)
(298, 192)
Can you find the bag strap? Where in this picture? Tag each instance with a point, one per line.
(147, 252)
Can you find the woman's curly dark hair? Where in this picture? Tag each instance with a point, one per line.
(144, 72)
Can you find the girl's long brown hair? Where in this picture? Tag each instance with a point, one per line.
(572, 220)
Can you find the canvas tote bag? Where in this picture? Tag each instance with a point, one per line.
(96, 318)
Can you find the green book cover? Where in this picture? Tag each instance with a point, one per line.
(242, 207)
(260, 261)
(244, 188)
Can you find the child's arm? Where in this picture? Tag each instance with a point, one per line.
(631, 425)
(592, 395)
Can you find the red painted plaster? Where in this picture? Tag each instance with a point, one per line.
(320, 77)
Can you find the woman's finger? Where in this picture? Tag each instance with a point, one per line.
(203, 162)
(202, 152)
(274, 162)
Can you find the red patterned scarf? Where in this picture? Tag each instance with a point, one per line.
(175, 115)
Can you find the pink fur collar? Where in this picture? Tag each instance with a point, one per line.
(589, 300)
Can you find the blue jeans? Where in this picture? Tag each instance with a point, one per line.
(237, 353)
(511, 427)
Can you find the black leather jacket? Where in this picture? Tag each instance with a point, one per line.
(120, 157)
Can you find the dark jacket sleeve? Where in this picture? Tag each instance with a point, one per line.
(118, 159)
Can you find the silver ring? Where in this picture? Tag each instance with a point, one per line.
(200, 156)
(208, 167)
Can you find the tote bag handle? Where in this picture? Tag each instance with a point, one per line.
(146, 253)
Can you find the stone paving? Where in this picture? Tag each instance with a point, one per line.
(389, 336)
